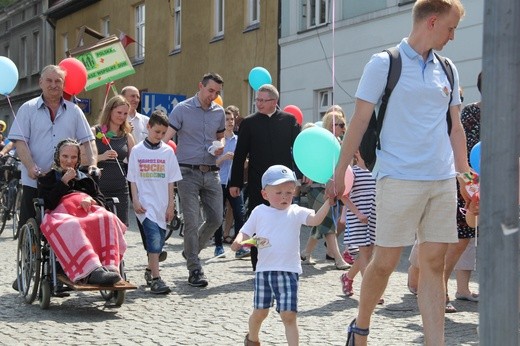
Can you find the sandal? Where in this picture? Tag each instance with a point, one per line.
(353, 329)
(228, 240)
(450, 308)
(248, 342)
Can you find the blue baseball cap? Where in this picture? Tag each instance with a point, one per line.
(276, 175)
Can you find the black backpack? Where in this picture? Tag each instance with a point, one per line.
(370, 141)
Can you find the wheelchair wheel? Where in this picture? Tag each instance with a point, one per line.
(107, 295)
(16, 211)
(119, 297)
(45, 294)
(29, 261)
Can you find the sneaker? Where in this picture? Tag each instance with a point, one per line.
(347, 257)
(159, 287)
(148, 277)
(219, 250)
(197, 279)
(243, 252)
(346, 284)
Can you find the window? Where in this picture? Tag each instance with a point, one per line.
(253, 14)
(405, 2)
(7, 51)
(251, 97)
(324, 101)
(140, 31)
(177, 25)
(315, 13)
(219, 18)
(23, 56)
(105, 26)
(65, 43)
(36, 52)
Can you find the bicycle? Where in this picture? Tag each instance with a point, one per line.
(10, 193)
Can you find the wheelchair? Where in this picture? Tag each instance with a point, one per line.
(38, 273)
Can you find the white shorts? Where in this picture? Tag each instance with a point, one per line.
(408, 208)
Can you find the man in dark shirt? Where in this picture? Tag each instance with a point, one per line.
(267, 138)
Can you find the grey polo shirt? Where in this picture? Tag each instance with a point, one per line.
(33, 125)
(196, 130)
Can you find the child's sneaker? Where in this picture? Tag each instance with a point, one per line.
(159, 287)
(242, 252)
(347, 257)
(148, 277)
(346, 284)
(219, 250)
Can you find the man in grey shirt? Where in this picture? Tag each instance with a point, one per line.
(198, 122)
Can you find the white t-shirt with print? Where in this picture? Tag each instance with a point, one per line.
(152, 170)
(278, 236)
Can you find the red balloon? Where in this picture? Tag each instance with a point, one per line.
(172, 145)
(295, 111)
(76, 77)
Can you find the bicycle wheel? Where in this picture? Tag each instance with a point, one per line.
(3, 207)
(16, 210)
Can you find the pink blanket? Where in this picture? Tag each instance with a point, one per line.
(83, 241)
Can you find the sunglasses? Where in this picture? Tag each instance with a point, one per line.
(341, 125)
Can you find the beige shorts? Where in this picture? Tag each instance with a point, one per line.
(407, 209)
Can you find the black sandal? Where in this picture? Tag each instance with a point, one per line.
(353, 329)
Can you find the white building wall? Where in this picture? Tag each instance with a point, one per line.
(306, 57)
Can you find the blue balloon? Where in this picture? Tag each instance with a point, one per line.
(316, 153)
(474, 157)
(259, 76)
(8, 75)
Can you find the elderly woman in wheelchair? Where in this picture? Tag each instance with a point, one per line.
(87, 240)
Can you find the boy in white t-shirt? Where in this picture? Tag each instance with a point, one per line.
(152, 170)
(276, 229)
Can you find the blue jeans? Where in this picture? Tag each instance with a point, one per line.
(237, 205)
(154, 236)
(206, 186)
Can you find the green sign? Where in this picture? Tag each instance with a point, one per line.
(105, 64)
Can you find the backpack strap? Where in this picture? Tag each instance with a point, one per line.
(448, 70)
(394, 72)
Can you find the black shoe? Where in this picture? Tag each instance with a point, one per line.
(329, 258)
(15, 285)
(101, 276)
(197, 279)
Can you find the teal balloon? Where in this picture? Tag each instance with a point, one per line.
(316, 153)
(474, 157)
(8, 75)
(259, 76)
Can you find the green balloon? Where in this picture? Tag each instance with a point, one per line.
(316, 153)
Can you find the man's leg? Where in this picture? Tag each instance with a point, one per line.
(27, 210)
(188, 189)
(432, 291)
(377, 273)
(211, 198)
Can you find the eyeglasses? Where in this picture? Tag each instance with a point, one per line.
(341, 125)
(263, 100)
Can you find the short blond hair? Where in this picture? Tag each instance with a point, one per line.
(424, 8)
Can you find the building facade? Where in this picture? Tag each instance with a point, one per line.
(315, 49)
(28, 40)
(177, 42)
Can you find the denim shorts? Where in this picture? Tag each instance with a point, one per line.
(276, 285)
(154, 236)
